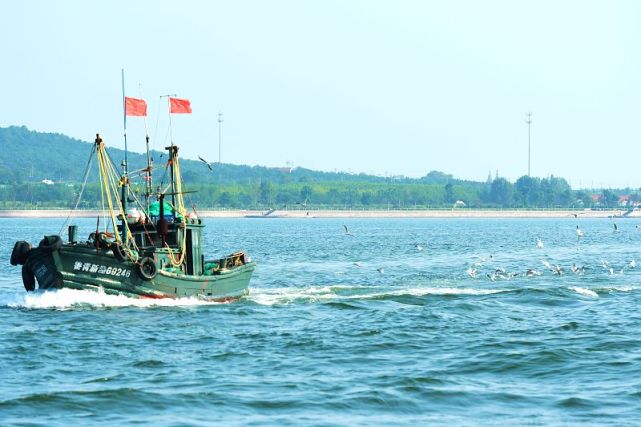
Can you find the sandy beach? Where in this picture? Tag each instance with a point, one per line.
(444, 213)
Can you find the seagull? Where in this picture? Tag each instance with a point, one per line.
(419, 247)
(539, 243)
(616, 228)
(532, 272)
(358, 264)
(579, 232)
(380, 270)
(546, 264)
(206, 162)
(471, 272)
(557, 270)
(633, 264)
(347, 231)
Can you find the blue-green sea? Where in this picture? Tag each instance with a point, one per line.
(400, 322)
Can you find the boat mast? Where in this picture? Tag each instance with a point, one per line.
(172, 155)
(124, 179)
(148, 178)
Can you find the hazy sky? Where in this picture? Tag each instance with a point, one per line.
(384, 87)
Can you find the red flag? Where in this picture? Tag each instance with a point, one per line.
(179, 106)
(135, 107)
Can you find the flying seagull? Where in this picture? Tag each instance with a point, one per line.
(347, 231)
(206, 162)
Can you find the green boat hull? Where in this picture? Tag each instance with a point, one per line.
(84, 267)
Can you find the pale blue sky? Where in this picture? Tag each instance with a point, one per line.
(384, 87)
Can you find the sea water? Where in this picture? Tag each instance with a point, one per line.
(400, 322)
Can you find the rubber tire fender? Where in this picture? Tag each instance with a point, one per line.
(50, 243)
(20, 252)
(28, 279)
(146, 268)
(119, 251)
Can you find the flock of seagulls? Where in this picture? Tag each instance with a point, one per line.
(557, 270)
(499, 273)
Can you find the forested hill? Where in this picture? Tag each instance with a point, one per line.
(45, 169)
(28, 155)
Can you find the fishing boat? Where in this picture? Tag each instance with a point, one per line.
(149, 248)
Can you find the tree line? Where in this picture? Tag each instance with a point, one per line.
(26, 176)
(526, 192)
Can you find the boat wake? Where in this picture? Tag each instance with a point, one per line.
(66, 299)
(275, 296)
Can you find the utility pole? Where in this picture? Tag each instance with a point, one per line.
(220, 133)
(529, 123)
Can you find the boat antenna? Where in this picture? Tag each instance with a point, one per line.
(168, 96)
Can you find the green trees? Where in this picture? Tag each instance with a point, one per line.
(23, 167)
(501, 192)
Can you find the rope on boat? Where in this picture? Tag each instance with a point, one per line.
(82, 189)
(110, 182)
(180, 208)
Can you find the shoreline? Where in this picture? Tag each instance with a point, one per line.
(444, 213)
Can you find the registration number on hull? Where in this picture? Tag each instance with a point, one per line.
(101, 269)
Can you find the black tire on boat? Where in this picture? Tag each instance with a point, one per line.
(20, 252)
(50, 243)
(146, 268)
(28, 280)
(119, 251)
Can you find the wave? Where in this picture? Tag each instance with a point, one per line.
(65, 299)
(276, 296)
(584, 291)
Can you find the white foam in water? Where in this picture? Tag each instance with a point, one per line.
(287, 295)
(445, 291)
(620, 288)
(68, 298)
(583, 291)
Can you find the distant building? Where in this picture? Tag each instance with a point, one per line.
(47, 182)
